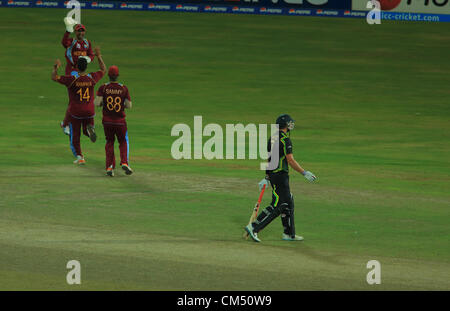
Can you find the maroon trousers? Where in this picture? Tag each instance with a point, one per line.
(66, 120)
(75, 132)
(111, 132)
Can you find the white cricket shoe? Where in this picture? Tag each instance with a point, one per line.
(126, 168)
(252, 234)
(65, 129)
(289, 238)
(80, 160)
(110, 171)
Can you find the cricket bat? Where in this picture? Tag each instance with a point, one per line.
(255, 211)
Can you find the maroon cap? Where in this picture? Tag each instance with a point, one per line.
(79, 26)
(113, 71)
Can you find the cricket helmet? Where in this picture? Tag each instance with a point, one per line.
(79, 26)
(284, 121)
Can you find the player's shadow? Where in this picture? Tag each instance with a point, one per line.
(288, 246)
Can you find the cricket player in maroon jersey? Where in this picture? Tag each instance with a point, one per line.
(80, 87)
(75, 48)
(114, 97)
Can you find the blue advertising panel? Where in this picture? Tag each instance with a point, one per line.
(319, 8)
(323, 4)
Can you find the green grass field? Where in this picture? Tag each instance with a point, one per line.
(372, 110)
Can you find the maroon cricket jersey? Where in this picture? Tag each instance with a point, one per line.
(114, 95)
(81, 93)
(75, 49)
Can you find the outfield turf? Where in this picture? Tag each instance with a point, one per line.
(372, 111)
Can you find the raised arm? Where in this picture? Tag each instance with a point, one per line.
(66, 40)
(90, 54)
(55, 70)
(100, 60)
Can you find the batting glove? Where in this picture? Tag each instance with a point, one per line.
(310, 176)
(87, 58)
(70, 22)
(262, 183)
